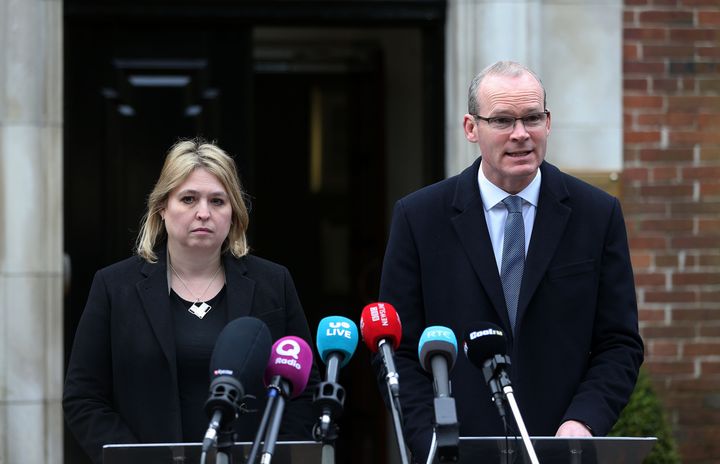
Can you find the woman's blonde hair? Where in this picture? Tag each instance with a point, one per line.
(182, 159)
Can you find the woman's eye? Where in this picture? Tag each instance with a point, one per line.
(218, 201)
(187, 199)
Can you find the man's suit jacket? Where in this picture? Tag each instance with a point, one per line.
(576, 349)
(122, 384)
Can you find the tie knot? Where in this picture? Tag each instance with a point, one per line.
(513, 203)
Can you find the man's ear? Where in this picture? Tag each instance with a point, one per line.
(470, 126)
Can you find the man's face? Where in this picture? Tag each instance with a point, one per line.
(511, 157)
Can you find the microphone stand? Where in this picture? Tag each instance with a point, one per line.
(271, 434)
(329, 397)
(273, 392)
(498, 380)
(393, 386)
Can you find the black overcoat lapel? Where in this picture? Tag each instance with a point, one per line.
(471, 228)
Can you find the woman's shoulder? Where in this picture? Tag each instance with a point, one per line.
(256, 264)
(131, 265)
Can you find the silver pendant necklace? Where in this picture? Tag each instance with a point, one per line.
(198, 308)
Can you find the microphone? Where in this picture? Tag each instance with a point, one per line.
(336, 341)
(437, 352)
(286, 376)
(381, 331)
(240, 353)
(486, 348)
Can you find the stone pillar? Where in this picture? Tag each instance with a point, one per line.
(31, 230)
(574, 45)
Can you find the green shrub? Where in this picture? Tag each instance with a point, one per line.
(644, 417)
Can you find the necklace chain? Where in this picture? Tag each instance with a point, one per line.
(197, 308)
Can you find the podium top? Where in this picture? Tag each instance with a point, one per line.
(286, 452)
(556, 450)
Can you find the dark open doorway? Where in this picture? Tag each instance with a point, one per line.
(307, 123)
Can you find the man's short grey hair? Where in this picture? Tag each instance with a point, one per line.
(500, 68)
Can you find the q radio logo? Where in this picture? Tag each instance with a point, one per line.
(339, 329)
(288, 349)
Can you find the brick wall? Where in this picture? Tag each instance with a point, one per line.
(671, 198)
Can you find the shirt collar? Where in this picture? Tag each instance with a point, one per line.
(491, 194)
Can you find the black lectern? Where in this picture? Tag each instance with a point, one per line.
(286, 452)
(553, 450)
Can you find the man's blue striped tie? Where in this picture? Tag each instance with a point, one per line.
(513, 255)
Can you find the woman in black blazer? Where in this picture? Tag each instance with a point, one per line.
(138, 370)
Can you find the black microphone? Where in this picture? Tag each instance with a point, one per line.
(239, 358)
(486, 348)
(437, 352)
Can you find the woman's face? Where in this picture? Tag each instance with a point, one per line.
(198, 213)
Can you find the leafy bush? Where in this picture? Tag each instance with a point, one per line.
(644, 417)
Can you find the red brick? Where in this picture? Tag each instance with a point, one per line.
(690, 242)
(649, 279)
(707, 52)
(640, 242)
(644, 68)
(645, 33)
(665, 2)
(660, 84)
(665, 17)
(641, 137)
(709, 121)
(713, 3)
(631, 51)
(644, 207)
(669, 367)
(694, 137)
(709, 154)
(639, 174)
(700, 173)
(708, 226)
(664, 349)
(709, 260)
(709, 190)
(693, 103)
(690, 208)
(710, 368)
(642, 101)
(696, 278)
(706, 18)
(694, 315)
(657, 296)
(691, 67)
(650, 155)
(667, 191)
(697, 385)
(637, 85)
(709, 331)
(662, 260)
(668, 51)
(694, 35)
(641, 260)
(666, 225)
(651, 315)
(664, 173)
(709, 296)
(701, 348)
(709, 85)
